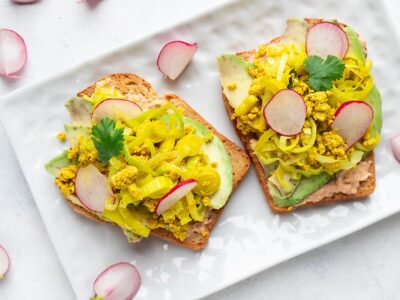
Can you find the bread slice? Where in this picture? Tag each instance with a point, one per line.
(131, 85)
(366, 187)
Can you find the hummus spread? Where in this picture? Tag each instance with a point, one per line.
(345, 182)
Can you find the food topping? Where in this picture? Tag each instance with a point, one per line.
(4, 262)
(141, 171)
(300, 95)
(174, 57)
(118, 281)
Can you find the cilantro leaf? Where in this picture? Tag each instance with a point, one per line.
(323, 72)
(107, 139)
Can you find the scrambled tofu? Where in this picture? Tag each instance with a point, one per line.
(61, 136)
(65, 180)
(124, 178)
(84, 151)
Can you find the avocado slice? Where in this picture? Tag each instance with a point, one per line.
(80, 111)
(374, 98)
(216, 153)
(57, 163)
(355, 48)
(74, 131)
(295, 32)
(233, 69)
(305, 187)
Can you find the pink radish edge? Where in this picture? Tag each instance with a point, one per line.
(174, 196)
(345, 134)
(15, 40)
(166, 69)
(24, 1)
(395, 145)
(92, 189)
(269, 122)
(125, 288)
(344, 40)
(106, 101)
(4, 262)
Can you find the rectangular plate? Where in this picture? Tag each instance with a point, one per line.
(248, 238)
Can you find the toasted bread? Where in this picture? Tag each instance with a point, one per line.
(366, 187)
(138, 88)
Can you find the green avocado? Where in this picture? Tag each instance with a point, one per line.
(305, 187)
(57, 163)
(355, 48)
(74, 131)
(216, 153)
(233, 70)
(295, 32)
(80, 111)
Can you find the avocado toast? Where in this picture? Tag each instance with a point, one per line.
(146, 163)
(321, 154)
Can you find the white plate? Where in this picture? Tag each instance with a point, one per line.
(248, 238)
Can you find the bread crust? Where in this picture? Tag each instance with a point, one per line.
(366, 187)
(131, 83)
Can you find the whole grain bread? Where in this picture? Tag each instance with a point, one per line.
(133, 86)
(366, 187)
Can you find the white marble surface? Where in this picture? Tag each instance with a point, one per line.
(60, 33)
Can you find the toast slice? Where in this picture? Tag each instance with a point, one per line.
(133, 86)
(365, 188)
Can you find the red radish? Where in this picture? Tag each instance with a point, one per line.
(175, 194)
(286, 112)
(116, 109)
(174, 58)
(4, 262)
(91, 188)
(395, 143)
(13, 53)
(120, 281)
(352, 120)
(24, 1)
(327, 38)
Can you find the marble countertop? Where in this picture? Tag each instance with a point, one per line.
(363, 265)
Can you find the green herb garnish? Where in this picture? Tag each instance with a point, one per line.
(323, 72)
(108, 140)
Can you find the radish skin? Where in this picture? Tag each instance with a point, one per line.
(327, 38)
(13, 53)
(174, 57)
(395, 144)
(24, 1)
(352, 120)
(120, 281)
(116, 109)
(4, 262)
(286, 112)
(175, 194)
(92, 189)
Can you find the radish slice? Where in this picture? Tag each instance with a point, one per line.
(24, 1)
(120, 281)
(4, 262)
(352, 120)
(395, 143)
(91, 188)
(116, 109)
(174, 58)
(174, 195)
(327, 38)
(13, 53)
(286, 112)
